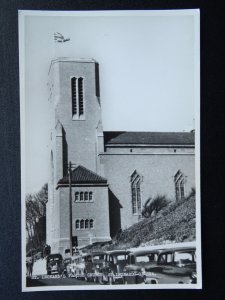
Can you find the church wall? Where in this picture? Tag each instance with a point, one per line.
(157, 172)
(97, 210)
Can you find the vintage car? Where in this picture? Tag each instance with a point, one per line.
(113, 265)
(137, 262)
(177, 265)
(93, 263)
(54, 264)
(77, 267)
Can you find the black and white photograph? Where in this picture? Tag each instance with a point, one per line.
(110, 149)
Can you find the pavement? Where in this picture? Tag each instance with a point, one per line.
(39, 267)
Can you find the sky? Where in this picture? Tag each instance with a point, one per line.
(147, 63)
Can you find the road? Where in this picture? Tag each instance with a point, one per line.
(44, 280)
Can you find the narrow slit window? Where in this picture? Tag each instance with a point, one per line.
(86, 224)
(82, 224)
(76, 196)
(77, 224)
(91, 223)
(86, 196)
(81, 96)
(74, 95)
(81, 196)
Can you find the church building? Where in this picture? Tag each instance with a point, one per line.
(113, 173)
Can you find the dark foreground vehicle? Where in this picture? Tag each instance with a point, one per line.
(112, 269)
(54, 264)
(93, 263)
(174, 266)
(137, 263)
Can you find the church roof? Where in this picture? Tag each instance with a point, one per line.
(81, 175)
(149, 138)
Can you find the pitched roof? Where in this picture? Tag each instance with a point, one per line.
(82, 175)
(149, 138)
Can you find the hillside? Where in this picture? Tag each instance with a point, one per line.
(175, 223)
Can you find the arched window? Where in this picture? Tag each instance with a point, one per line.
(136, 193)
(179, 180)
(86, 196)
(86, 224)
(76, 196)
(82, 224)
(77, 224)
(91, 223)
(81, 196)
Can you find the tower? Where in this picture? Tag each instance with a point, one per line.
(75, 136)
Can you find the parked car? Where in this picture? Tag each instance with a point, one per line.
(93, 263)
(77, 267)
(137, 262)
(176, 265)
(113, 265)
(54, 264)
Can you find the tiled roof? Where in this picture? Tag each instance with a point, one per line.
(82, 175)
(149, 138)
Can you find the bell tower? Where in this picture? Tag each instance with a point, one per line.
(75, 133)
(76, 102)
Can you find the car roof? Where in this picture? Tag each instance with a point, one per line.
(142, 252)
(118, 252)
(98, 253)
(186, 249)
(55, 255)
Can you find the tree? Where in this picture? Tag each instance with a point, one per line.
(36, 217)
(154, 205)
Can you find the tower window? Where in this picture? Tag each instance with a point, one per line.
(77, 224)
(77, 93)
(136, 193)
(86, 196)
(74, 95)
(91, 223)
(83, 197)
(179, 180)
(86, 224)
(82, 224)
(81, 97)
(76, 196)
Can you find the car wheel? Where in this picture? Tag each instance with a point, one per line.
(49, 273)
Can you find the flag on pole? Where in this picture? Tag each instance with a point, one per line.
(59, 38)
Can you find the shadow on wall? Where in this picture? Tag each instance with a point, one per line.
(65, 154)
(114, 214)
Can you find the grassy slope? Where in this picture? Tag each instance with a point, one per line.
(175, 223)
